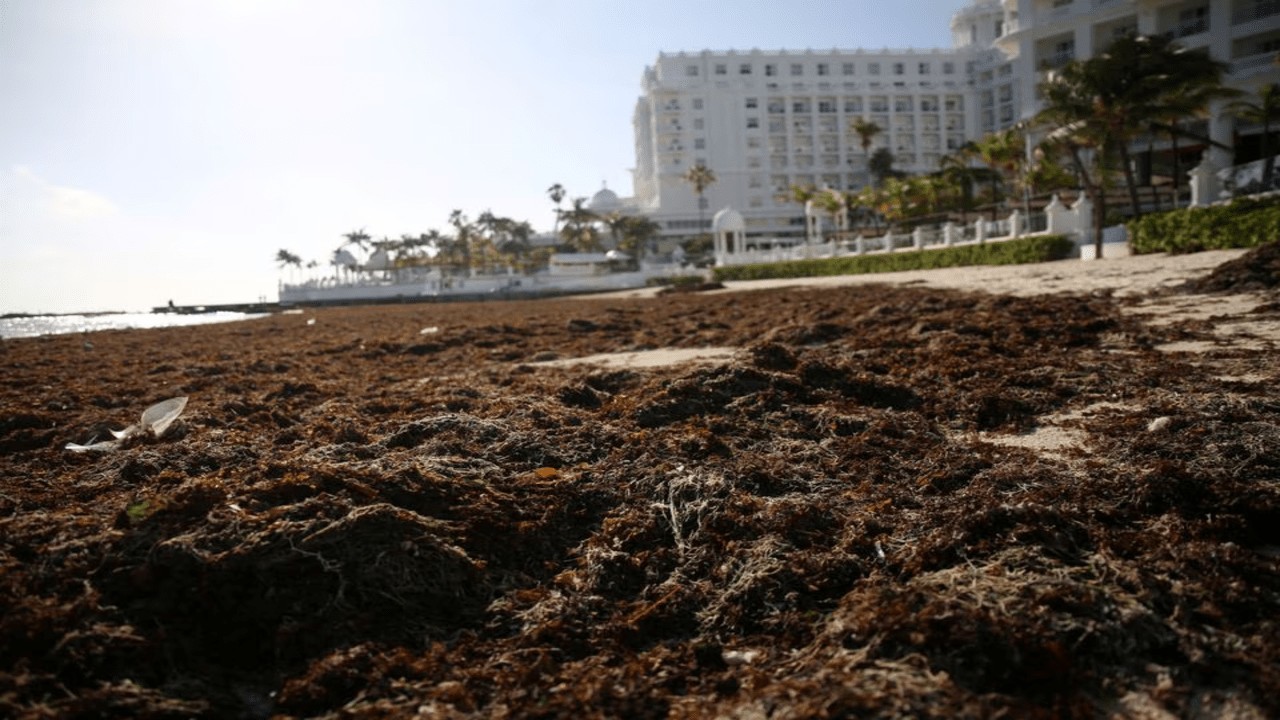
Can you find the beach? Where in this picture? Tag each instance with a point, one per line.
(1036, 491)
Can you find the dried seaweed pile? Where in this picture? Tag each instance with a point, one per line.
(1258, 269)
(397, 511)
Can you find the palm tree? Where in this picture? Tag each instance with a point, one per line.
(579, 230)
(881, 165)
(802, 194)
(512, 241)
(894, 199)
(464, 234)
(556, 192)
(700, 177)
(637, 232)
(615, 222)
(1263, 112)
(284, 258)
(832, 202)
(959, 171)
(1107, 101)
(359, 238)
(866, 130)
(1003, 152)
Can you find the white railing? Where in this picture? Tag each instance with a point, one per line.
(1056, 219)
(1247, 179)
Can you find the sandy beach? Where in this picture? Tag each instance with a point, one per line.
(1032, 491)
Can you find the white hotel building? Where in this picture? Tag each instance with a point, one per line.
(764, 121)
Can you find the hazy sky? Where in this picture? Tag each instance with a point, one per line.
(166, 149)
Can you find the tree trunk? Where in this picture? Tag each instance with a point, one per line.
(1097, 198)
(1177, 164)
(1269, 164)
(1134, 205)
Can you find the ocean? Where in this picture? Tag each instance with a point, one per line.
(37, 325)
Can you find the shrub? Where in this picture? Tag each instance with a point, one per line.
(1241, 224)
(1009, 252)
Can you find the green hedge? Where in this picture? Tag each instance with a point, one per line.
(1241, 224)
(1009, 252)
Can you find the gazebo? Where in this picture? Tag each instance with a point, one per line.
(729, 232)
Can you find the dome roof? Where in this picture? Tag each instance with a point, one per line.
(604, 200)
(728, 220)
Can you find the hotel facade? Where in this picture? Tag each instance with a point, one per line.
(765, 121)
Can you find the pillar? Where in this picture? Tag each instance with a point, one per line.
(1058, 218)
(1206, 186)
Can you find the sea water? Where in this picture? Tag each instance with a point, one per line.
(36, 325)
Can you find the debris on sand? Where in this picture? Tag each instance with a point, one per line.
(828, 522)
(1258, 269)
(155, 421)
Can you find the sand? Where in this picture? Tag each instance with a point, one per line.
(1043, 491)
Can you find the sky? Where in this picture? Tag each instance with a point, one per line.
(157, 150)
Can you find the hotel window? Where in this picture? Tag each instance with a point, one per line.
(1193, 21)
(753, 123)
(691, 70)
(753, 142)
(924, 68)
(744, 69)
(823, 68)
(797, 69)
(697, 123)
(1124, 31)
(697, 103)
(847, 68)
(752, 103)
(722, 69)
(948, 68)
(699, 144)
(873, 68)
(770, 69)
(826, 106)
(899, 68)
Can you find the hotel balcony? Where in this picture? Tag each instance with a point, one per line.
(1187, 29)
(1246, 12)
(1056, 60)
(1254, 65)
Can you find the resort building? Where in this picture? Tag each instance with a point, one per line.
(765, 121)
